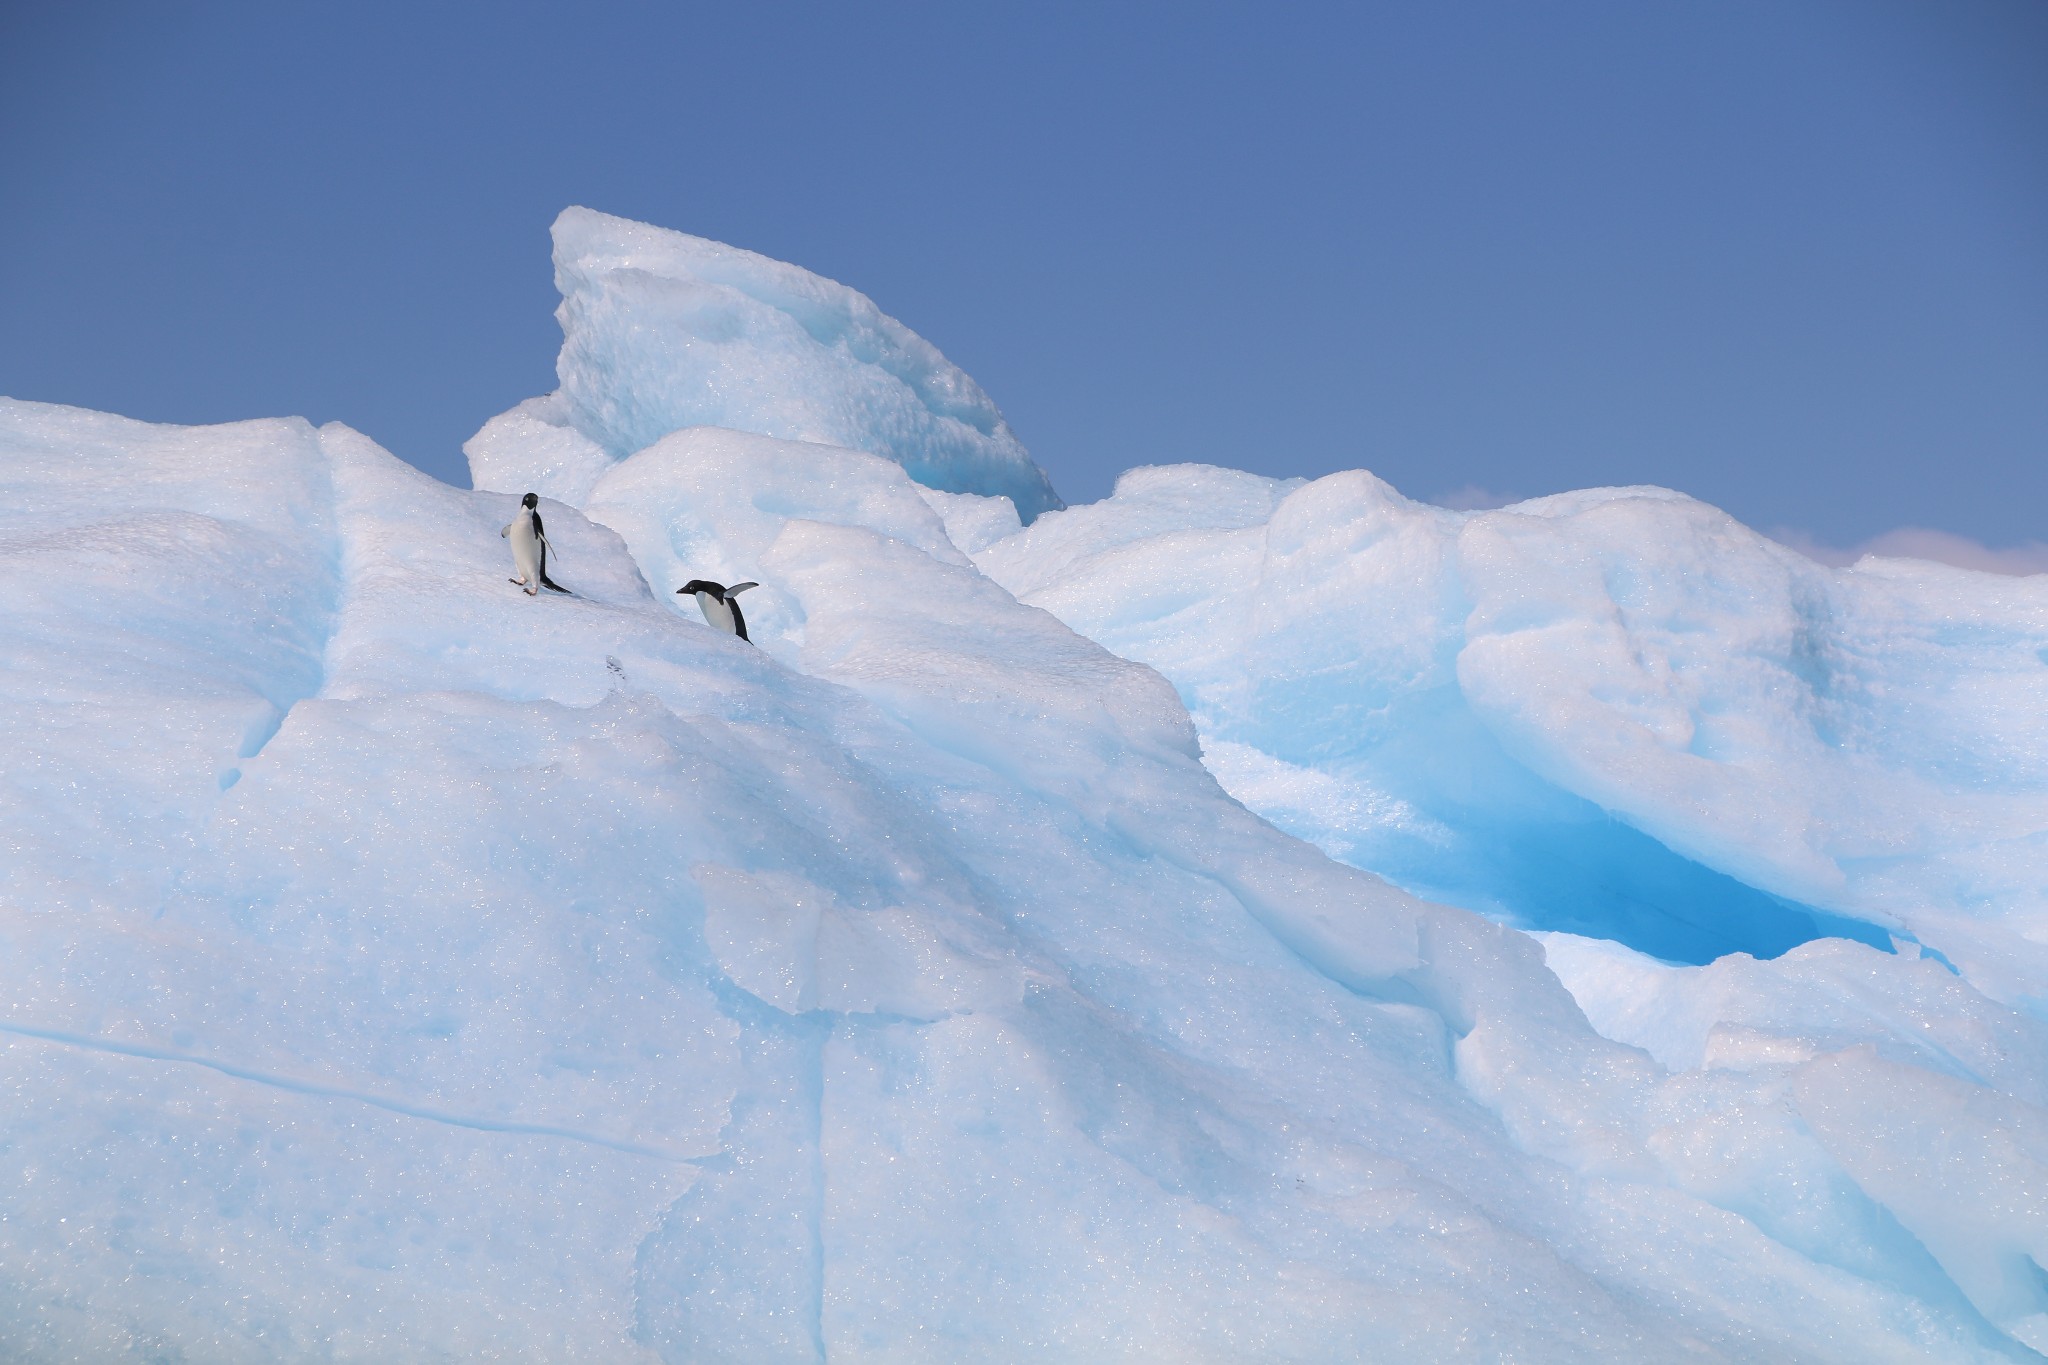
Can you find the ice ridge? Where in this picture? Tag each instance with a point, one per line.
(662, 331)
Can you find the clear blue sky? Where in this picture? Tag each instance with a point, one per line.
(1787, 255)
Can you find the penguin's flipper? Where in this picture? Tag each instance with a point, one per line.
(739, 622)
(736, 589)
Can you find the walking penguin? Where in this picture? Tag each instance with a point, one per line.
(721, 612)
(530, 548)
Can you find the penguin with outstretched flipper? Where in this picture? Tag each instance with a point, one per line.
(530, 548)
(716, 602)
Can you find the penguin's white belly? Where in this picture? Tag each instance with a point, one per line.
(526, 550)
(716, 613)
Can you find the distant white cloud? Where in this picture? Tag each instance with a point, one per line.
(1473, 498)
(1917, 542)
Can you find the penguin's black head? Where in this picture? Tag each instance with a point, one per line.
(703, 585)
(530, 500)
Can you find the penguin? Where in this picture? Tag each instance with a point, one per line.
(530, 548)
(720, 611)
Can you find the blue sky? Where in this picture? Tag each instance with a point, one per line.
(1788, 257)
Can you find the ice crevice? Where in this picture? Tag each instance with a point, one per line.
(328, 557)
(315, 1089)
(735, 1269)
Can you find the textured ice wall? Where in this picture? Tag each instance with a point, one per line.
(1616, 712)
(662, 331)
(561, 979)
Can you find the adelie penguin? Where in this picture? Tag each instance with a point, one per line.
(530, 548)
(721, 612)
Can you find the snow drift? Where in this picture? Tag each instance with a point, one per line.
(400, 968)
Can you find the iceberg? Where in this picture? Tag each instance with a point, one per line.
(397, 967)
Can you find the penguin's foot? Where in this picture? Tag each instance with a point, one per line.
(533, 592)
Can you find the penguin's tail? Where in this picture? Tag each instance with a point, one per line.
(545, 581)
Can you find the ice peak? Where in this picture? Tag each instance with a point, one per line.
(662, 330)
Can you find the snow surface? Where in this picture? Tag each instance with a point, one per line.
(400, 968)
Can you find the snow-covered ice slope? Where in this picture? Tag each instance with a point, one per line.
(1618, 712)
(396, 967)
(661, 331)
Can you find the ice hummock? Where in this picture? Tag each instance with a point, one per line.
(400, 968)
(662, 330)
(1616, 713)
